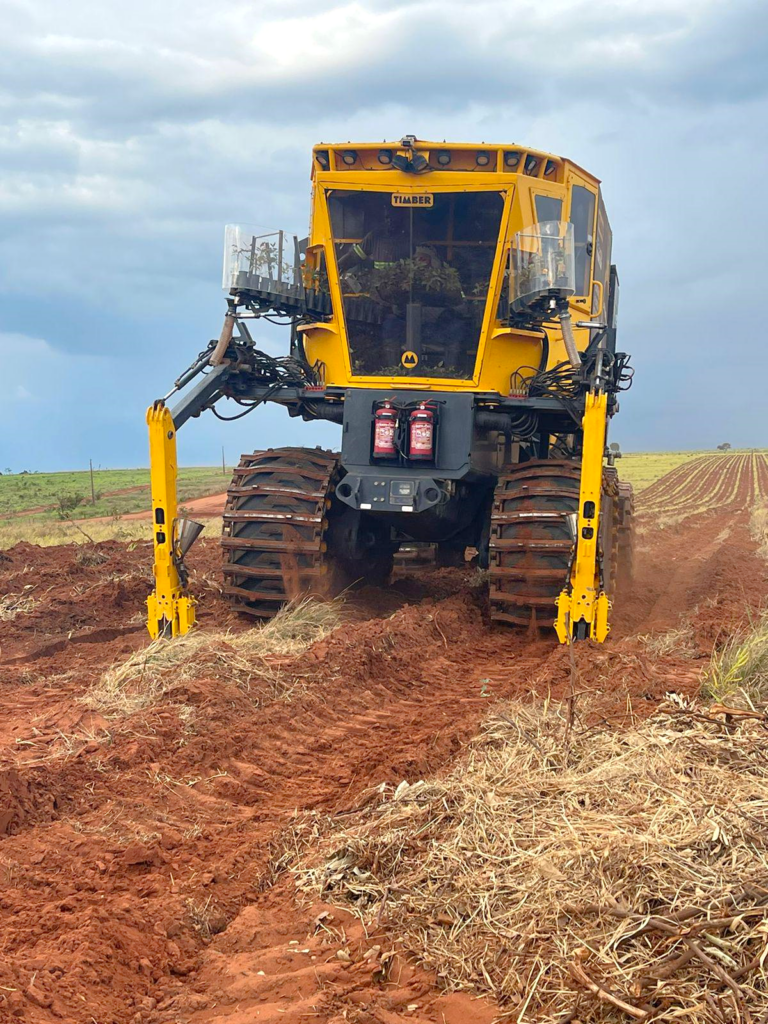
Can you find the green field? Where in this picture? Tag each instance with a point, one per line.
(641, 469)
(57, 496)
(31, 503)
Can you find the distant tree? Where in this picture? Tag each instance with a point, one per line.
(724, 447)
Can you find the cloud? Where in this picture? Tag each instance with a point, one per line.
(129, 135)
(60, 409)
(33, 370)
(295, 63)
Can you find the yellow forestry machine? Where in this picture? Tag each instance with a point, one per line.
(454, 311)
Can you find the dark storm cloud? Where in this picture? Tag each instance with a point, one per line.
(129, 134)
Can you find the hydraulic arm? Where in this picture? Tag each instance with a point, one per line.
(170, 608)
(582, 607)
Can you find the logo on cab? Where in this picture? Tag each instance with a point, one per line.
(413, 199)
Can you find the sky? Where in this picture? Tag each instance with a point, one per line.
(130, 134)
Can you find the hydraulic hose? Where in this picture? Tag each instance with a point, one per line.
(544, 352)
(322, 411)
(487, 419)
(570, 342)
(224, 339)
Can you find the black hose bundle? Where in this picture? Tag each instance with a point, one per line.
(285, 371)
(622, 372)
(563, 381)
(272, 372)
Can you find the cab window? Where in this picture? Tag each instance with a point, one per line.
(415, 279)
(583, 219)
(602, 255)
(548, 208)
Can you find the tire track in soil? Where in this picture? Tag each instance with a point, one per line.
(141, 865)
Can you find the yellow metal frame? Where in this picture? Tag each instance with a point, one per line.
(583, 598)
(373, 183)
(170, 607)
(501, 350)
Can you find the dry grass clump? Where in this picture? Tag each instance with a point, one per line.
(593, 877)
(758, 527)
(678, 642)
(146, 675)
(13, 605)
(47, 532)
(295, 628)
(90, 555)
(738, 673)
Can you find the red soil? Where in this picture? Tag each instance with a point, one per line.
(142, 858)
(209, 507)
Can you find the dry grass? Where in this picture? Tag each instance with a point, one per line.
(205, 917)
(738, 674)
(758, 527)
(69, 745)
(12, 605)
(145, 676)
(49, 532)
(90, 555)
(677, 642)
(595, 876)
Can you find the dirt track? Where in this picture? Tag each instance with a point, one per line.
(202, 508)
(140, 857)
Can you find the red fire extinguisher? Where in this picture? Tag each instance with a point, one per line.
(384, 427)
(421, 432)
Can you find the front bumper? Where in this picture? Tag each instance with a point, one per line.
(390, 491)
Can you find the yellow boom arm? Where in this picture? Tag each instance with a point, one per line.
(582, 607)
(170, 607)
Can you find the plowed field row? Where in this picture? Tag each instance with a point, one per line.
(713, 482)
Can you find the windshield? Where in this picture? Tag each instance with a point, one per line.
(414, 280)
